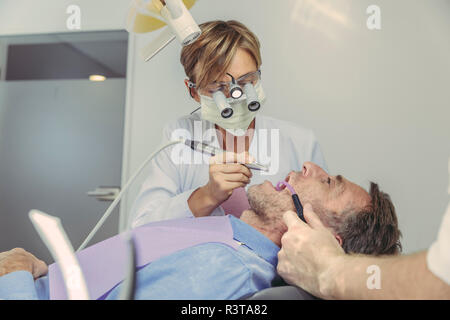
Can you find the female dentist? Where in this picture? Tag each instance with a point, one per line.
(220, 65)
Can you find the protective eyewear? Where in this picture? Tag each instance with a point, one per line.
(230, 89)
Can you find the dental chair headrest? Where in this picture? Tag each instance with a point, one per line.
(281, 293)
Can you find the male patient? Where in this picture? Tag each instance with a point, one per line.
(362, 222)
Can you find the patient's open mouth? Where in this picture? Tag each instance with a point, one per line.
(280, 186)
(283, 184)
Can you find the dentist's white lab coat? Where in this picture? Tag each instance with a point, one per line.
(165, 192)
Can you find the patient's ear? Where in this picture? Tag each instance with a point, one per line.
(339, 239)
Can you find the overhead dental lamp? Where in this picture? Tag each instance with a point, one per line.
(150, 15)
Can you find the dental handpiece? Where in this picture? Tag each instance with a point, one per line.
(295, 199)
(207, 149)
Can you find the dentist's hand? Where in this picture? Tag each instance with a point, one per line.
(308, 253)
(226, 173)
(20, 260)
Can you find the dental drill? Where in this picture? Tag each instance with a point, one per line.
(207, 149)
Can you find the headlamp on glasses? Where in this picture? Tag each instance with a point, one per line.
(235, 89)
(224, 93)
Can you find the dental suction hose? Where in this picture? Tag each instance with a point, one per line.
(121, 193)
(129, 285)
(297, 203)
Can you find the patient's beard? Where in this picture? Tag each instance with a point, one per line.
(267, 206)
(266, 213)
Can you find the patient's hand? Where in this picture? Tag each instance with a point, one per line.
(20, 260)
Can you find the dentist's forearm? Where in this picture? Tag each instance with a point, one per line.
(401, 277)
(201, 203)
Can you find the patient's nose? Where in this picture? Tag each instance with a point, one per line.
(312, 170)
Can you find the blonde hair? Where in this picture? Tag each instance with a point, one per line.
(210, 55)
